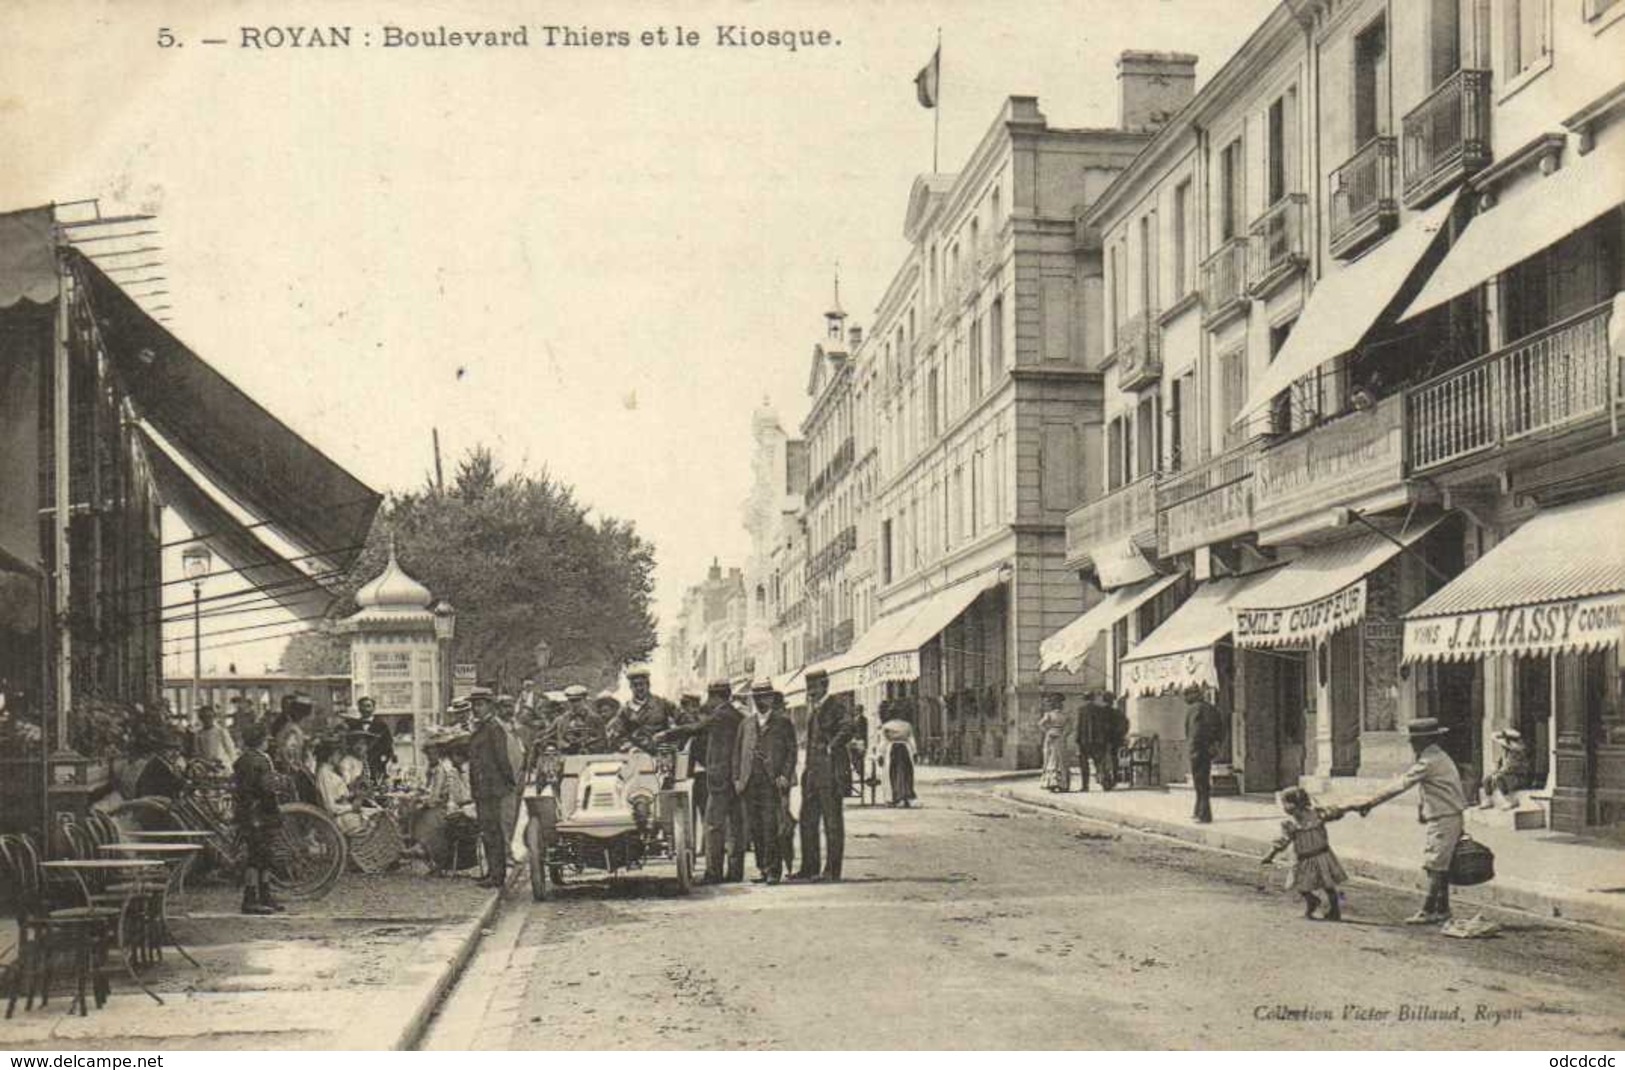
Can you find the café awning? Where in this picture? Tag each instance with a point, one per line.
(251, 456)
(898, 656)
(1556, 585)
(1318, 593)
(1068, 648)
(269, 572)
(1345, 305)
(1527, 221)
(1180, 651)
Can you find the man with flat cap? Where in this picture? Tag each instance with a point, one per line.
(578, 730)
(823, 780)
(494, 783)
(715, 734)
(764, 763)
(645, 713)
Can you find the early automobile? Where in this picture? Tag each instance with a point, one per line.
(616, 812)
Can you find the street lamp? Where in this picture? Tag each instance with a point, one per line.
(445, 629)
(196, 561)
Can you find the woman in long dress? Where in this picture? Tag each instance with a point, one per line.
(1053, 725)
(894, 752)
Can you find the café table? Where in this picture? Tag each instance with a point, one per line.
(179, 857)
(79, 868)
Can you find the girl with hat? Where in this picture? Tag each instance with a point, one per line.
(1511, 772)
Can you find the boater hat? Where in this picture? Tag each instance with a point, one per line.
(575, 691)
(1424, 728)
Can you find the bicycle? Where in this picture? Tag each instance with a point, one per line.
(308, 850)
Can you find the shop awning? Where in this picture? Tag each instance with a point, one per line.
(1555, 585)
(271, 574)
(253, 457)
(1316, 594)
(1345, 305)
(792, 685)
(1180, 652)
(1527, 221)
(28, 257)
(899, 655)
(1120, 563)
(1068, 648)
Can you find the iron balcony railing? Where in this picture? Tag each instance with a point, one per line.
(1224, 280)
(1362, 197)
(1278, 244)
(1129, 512)
(1447, 136)
(1139, 351)
(826, 479)
(834, 553)
(1560, 376)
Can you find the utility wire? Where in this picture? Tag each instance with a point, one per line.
(244, 628)
(197, 537)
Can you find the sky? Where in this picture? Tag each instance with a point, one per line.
(595, 260)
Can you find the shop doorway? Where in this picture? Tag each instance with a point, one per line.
(1533, 716)
(1291, 700)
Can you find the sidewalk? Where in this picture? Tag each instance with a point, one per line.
(1546, 873)
(362, 969)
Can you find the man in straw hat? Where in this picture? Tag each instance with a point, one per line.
(1439, 808)
(764, 764)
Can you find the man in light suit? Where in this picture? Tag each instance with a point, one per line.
(764, 763)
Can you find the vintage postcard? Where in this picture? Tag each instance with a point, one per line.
(801, 525)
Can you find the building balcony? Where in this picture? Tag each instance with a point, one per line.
(1224, 283)
(1363, 207)
(1139, 351)
(824, 482)
(1447, 137)
(1128, 513)
(829, 641)
(1207, 502)
(1279, 251)
(1551, 381)
(834, 554)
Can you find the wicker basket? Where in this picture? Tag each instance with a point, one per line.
(377, 847)
(1473, 863)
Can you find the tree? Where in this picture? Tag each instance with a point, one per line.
(523, 561)
(316, 653)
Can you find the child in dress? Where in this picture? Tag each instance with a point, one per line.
(1314, 867)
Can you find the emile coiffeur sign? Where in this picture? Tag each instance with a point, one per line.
(1302, 624)
(1570, 625)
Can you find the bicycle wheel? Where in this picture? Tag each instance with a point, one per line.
(308, 852)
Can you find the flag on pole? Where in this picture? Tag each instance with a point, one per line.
(925, 83)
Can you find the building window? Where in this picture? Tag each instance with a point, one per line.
(995, 340)
(1444, 40)
(996, 211)
(1230, 191)
(933, 407)
(1182, 449)
(1148, 263)
(1233, 394)
(1116, 453)
(1526, 33)
(1283, 145)
(975, 498)
(1147, 421)
(976, 369)
(1182, 257)
(1371, 82)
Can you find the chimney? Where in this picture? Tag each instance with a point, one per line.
(1152, 86)
(855, 336)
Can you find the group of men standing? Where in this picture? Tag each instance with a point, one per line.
(750, 756)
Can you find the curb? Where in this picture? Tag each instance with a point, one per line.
(417, 1023)
(1507, 894)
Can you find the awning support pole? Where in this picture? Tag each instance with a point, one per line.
(1403, 547)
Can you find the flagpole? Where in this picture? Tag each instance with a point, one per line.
(936, 112)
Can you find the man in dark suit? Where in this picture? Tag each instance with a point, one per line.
(1204, 732)
(764, 763)
(827, 773)
(716, 735)
(1095, 743)
(494, 783)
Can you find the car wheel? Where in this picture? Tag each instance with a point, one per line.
(682, 845)
(541, 884)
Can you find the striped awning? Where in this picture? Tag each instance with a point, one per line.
(1068, 648)
(1180, 651)
(1555, 585)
